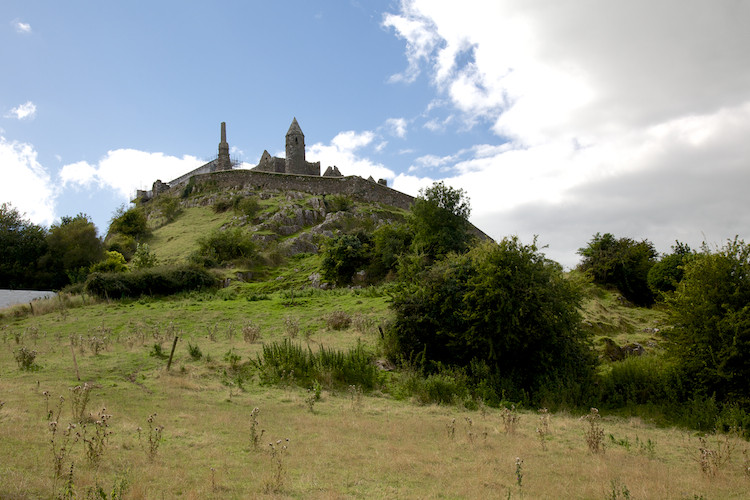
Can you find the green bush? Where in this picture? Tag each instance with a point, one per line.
(344, 255)
(440, 221)
(125, 245)
(113, 262)
(329, 367)
(623, 263)
(711, 313)
(129, 222)
(153, 281)
(502, 304)
(666, 274)
(338, 203)
(220, 247)
(639, 380)
(247, 206)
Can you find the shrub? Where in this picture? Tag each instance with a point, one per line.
(623, 263)
(222, 205)
(338, 203)
(144, 258)
(711, 338)
(126, 245)
(153, 281)
(641, 380)
(667, 273)
(169, 206)
(223, 246)
(328, 367)
(131, 222)
(338, 320)
(247, 206)
(502, 304)
(343, 255)
(440, 221)
(25, 358)
(114, 262)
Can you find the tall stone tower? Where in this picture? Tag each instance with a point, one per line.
(223, 162)
(295, 150)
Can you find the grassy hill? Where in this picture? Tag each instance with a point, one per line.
(87, 400)
(348, 443)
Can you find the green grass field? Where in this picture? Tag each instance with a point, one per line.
(344, 445)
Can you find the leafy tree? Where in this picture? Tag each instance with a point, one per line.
(389, 243)
(343, 255)
(439, 220)
(129, 222)
(73, 246)
(113, 262)
(665, 274)
(144, 258)
(711, 313)
(22, 243)
(623, 263)
(503, 305)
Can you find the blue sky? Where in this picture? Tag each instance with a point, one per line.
(559, 119)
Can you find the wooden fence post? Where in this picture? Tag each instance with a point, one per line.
(174, 344)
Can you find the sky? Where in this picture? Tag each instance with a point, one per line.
(558, 119)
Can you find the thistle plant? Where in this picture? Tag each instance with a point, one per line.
(251, 332)
(25, 358)
(61, 444)
(510, 419)
(80, 395)
(543, 429)
(96, 440)
(355, 398)
(278, 477)
(519, 471)
(291, 325)
(711, 460)
(594, 432)
(469, 429)
(153, 438)
(254, 434)
(451, 427)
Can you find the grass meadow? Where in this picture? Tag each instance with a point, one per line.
(210, 428)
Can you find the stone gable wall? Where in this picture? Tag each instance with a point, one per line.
(203, 169)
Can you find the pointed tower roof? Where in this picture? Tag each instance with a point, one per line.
(294, 128)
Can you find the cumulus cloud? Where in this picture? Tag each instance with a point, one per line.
(126, 170)
(25, 111)
(396, 126)
(23, 28)
(26, 184)
(626, 117)
(343, 152)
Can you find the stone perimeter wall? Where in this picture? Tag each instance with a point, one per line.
(353, 186)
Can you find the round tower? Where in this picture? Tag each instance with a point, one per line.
(223, 160)
(295, 149)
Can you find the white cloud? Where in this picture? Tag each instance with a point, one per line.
(396, 126)
(627, 117)
(26, 184)
(23, 28)
(25, 111)
(126, 170)
(343, 153)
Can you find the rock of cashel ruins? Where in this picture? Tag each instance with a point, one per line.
(293, 173)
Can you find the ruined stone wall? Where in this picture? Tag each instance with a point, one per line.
(203, 169)
(356, 187)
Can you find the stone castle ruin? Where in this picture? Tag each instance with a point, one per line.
(294, 164)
